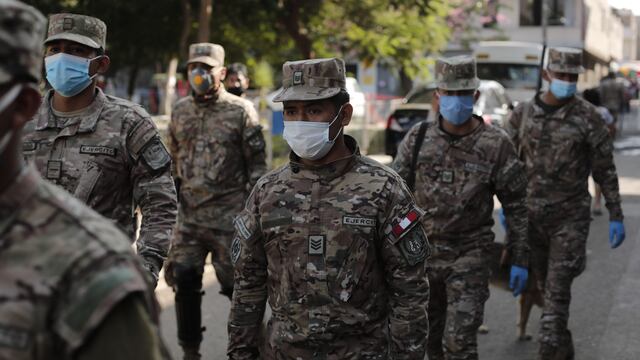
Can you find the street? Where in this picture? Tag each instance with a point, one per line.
(606, 297)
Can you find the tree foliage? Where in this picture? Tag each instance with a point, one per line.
(143, 33)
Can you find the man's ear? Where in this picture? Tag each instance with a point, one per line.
(223, 73)
(546, 76)
(347, 113)
(476, 96)
(25, 106)
(103, 64)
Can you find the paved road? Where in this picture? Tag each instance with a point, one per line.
(605, 312)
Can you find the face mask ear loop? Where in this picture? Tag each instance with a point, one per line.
(334, 120)
(90, 60)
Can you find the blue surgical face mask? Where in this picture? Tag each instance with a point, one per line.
(456, 109)
(563, 89)
(200, 80)
(68, 74)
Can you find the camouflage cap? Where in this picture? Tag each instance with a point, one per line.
(565, 60)
(457, 73)
(82, 29)
(21, 32)
(314, 79)
(206, 53)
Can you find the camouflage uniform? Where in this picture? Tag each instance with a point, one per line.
(219, 154)
(66, 273)
(456, 178)
(337, 250)
(560, 148)
(109, 155)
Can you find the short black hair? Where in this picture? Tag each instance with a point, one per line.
(237, 68)
(339, 99)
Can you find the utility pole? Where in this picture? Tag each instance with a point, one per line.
(543, 14)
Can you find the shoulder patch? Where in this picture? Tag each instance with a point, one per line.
(155, 155)
(236, 249)
(415, 247)
(405, 223)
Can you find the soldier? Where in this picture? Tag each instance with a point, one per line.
(332, 240)
(104, 150)
(71, 286)
(459, 165)
(237, 79)
(561, 139)
(218, 150)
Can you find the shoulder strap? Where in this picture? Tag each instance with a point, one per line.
(523, 119)
(411, 181)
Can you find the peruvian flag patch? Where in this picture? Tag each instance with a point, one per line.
(405, 223)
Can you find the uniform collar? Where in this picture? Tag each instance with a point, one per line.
(45, 119)
(328, 171)
(18, 193)
(465, 142)
(560, 113)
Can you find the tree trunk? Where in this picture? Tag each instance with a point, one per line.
(291, 22)
(186, 28)
(170, 87)
(133, 76)
(204, 23)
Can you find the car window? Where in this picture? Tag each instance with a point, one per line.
(423, 96)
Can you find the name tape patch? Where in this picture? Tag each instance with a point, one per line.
(13, 337)
(98, 150)
(358, 221)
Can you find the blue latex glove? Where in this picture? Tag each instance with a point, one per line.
(616, 233)
(503, 220)
(518, 279)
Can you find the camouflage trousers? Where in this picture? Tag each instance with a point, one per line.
(459, 286)
(558, 257)
(190, 248)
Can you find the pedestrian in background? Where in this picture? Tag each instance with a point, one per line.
(458, 164)
(562, 139)
(219, 153)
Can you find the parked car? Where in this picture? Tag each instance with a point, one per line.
(414, 108)
(493, 106)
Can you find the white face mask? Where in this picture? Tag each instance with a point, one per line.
(8, 98)
(308, 139)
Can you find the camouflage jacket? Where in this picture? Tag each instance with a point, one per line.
(456, 179)
(63, 269)
(219, 154)
(560, 149)
(340, 255)
(110, 157)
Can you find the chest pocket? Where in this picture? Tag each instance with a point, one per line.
(102, 167)
(351, 253)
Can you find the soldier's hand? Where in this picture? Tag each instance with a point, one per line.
(502, 218)
(518, 279)
(616, 233)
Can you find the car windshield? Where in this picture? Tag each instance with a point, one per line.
(422, 96)
(510, 75)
